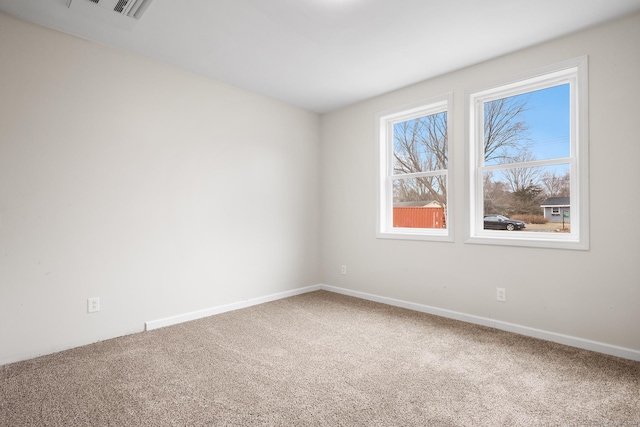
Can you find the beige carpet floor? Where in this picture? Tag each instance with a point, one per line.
(322, 359)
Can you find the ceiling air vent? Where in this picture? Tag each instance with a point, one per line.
(130, 8)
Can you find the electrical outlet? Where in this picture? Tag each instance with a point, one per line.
(343, 270)
(501, 294)
(93, 305)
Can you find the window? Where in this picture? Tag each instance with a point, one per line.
(528, 145)
(414, 165)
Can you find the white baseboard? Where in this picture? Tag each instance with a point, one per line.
(186, 317)
(599, 347)
(585, 344)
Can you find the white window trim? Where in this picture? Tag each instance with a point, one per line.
(384, 192)
(573, 71)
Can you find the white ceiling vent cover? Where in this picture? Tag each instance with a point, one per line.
(129, 8)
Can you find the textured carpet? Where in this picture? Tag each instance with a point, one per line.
(322, 359)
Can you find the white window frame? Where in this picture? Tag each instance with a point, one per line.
(573, 72)
(384, 125)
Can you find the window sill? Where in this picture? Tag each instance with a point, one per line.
(540, 240)
(434, 235)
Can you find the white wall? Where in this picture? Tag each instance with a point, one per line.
(163, 193)
(157, 190)
(592, 295)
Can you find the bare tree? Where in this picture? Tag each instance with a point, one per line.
(555, 185)
(504, 131)
(524, 183)
(522, 177)
(421, 145)
(496, 195)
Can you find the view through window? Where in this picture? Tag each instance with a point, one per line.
(528, 159)
(414, 152)
(527, 151)
(420, 172)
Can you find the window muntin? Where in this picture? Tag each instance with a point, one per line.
(527, 143)
(414, 171)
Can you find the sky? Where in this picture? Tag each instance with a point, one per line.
(547, 116)
(548, 119)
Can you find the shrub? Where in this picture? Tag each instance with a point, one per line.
(530, 218)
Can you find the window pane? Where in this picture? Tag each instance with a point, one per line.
(420, 145)
(529, 160)
(413, 171)
(538, 196)
(420, 202)
(527, 127)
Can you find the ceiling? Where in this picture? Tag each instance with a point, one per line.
(324, 54)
